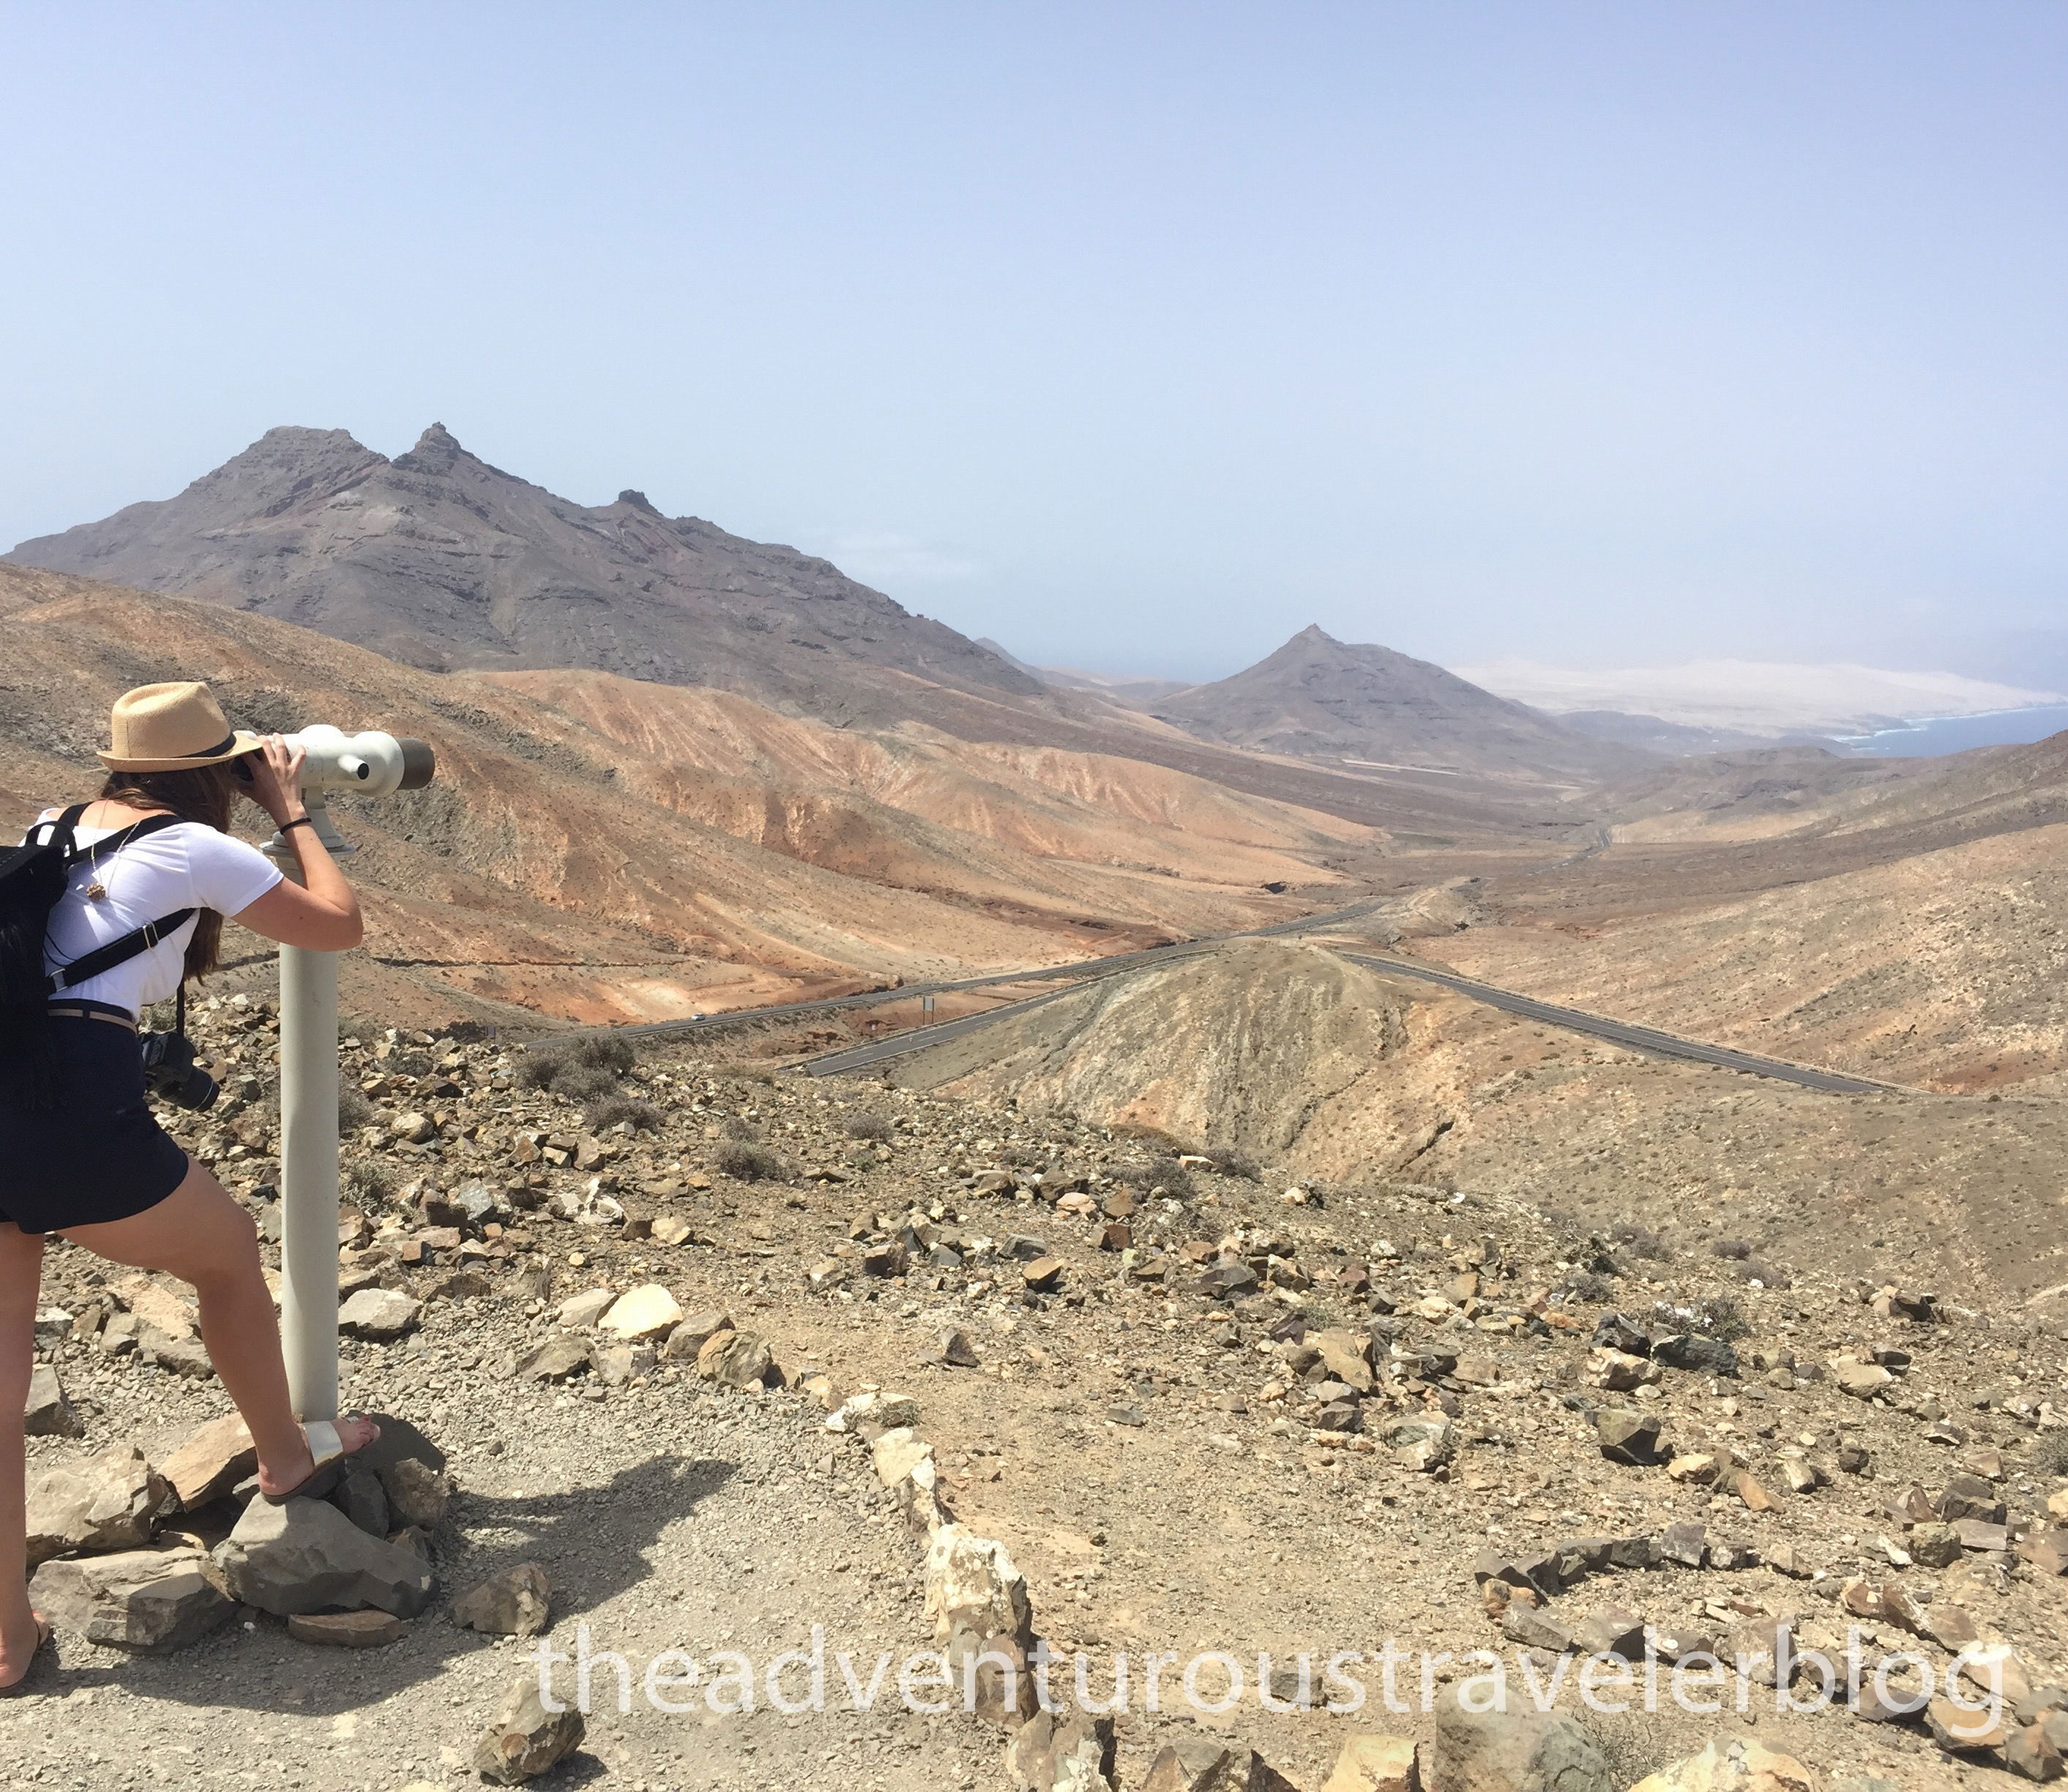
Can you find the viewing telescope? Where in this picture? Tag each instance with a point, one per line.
(371, 762)
(374, 764)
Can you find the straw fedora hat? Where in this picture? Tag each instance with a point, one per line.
(172, 728)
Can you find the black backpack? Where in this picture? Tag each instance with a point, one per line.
(33, 877)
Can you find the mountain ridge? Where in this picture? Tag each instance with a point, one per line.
(440, 560)
(1317, 697)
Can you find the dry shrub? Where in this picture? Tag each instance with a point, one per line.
(873, 1127)
(369, 1187)
(641, 1116)
(1641, 1242)
(745, 1161)
(1166, 1173)
(587, 1066)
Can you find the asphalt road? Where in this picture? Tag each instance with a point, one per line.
(1648, 1039)
(1080, 969)
(1651, 1041)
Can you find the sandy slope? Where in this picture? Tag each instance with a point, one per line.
(540, 871)
(1943, 970)
(1003, 822)
(1288, 1053)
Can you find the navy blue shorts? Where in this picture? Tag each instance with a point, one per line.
(100, 1153)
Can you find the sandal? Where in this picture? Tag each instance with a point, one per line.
(332, 1460)
(44, 1634)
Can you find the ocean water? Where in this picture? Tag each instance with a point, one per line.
(1955, 734)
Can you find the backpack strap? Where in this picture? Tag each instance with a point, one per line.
(106, 957)
(62, 826)
(122, 837)
(116, 951)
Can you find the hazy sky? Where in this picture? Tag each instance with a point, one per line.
(1136, 335)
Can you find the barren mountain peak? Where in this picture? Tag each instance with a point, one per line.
(1320, 697)
(443, 561)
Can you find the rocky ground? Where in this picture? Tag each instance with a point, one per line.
(1202, 1406)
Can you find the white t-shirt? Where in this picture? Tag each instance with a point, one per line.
(188, 865)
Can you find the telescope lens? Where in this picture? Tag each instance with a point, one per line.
(420, 764)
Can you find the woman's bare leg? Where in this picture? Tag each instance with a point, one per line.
(201, 1236)
(21, 1277)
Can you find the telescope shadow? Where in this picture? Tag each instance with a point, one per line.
(592, 1542)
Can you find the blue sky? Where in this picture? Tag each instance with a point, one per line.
(1135, 335)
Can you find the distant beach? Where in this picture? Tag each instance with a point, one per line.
(1956, 734)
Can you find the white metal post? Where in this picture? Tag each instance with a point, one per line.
(308, 1178)
(308, 1154)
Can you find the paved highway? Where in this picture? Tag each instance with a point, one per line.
(1651, 1040)
(1080, 969)
(1648, 1039)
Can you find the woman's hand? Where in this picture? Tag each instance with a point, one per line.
(276, 780)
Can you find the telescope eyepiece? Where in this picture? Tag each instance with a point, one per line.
(419, 764)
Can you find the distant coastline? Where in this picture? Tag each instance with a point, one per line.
(1931, 735)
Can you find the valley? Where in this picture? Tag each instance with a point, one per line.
(1256, 1288)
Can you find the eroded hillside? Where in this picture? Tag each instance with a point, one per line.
(552, 867)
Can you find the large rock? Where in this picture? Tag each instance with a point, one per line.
(346, 1630)
(150, 1600)
(1063, 1751)
(418, 1494)
(973, 1585)
(1741, 1764)
(1862, 1380)
(579, 1312)
(1519, 1749)
(1201, 1764)
(48, 1413)
(904, 1462)
(693, 1333)
(518, 1602)
(1627, 1437)
(1425, 1442)
(737, 1359)
(525, 1740)
(178, 1356)
(169, 1314)
(380, 1314)
(305, 1554)
(107, 1502)
(561, 1356)
(212, 1461)
(1347, 1356)
(869, 1414)
(647, 1311)
(1374, 1764)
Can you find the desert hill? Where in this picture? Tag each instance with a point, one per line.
(1903, 920)
(1288, 1054)
(437, 559)
(554, 867)
(1938, 969)
(1319, 697)
(1098, 832)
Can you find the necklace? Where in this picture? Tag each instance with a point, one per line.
(96, 891)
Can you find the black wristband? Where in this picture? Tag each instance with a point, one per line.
(299, 821)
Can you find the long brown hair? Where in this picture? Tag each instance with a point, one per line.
(206, 794)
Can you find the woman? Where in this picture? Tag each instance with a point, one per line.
(93, 1163)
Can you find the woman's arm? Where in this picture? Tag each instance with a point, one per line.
(320, 913)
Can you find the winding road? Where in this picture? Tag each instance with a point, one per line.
(1653, 1041)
